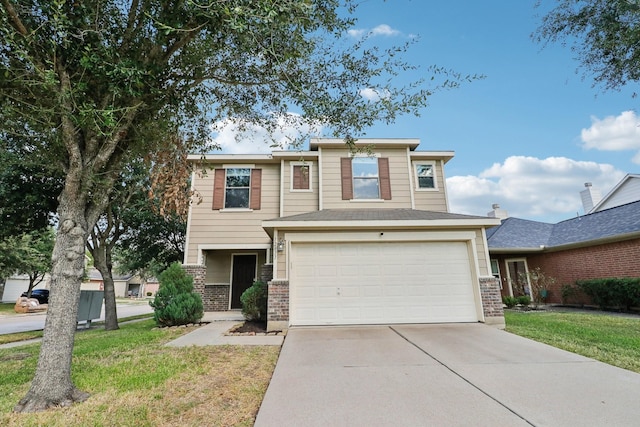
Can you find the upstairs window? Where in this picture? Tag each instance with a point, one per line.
(366, 183)
(301, 176)
(237, 188)
(425, 176)
(365, 178)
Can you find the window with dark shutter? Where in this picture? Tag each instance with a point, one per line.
(218, 189)
(385, 181)
(237, 188)
(301, 177)
(347, 180)
(256, 185)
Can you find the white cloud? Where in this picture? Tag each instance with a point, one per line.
(374, 95)
(531, 188)
(231, 136)
(381, 30)
(384, 30)
(357, 33)
(614, 133)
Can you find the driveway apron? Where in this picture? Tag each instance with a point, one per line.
(441, 375)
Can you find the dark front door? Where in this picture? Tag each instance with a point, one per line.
(244, 272)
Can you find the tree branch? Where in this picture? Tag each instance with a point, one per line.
(131, 19)
(15, 19)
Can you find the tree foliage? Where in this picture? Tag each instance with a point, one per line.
(604, 35)
(28, 254)
(97, 83)
(29, 186)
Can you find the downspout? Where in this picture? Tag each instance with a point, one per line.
(186, 240)
(413, 199)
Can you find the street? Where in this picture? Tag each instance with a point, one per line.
(32, 322)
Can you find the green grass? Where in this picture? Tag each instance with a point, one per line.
(7, 308)
(611, 339)
(134, 380)
(23, 336)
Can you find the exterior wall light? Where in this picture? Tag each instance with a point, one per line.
(280, 245)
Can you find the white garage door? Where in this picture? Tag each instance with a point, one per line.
(378, 283)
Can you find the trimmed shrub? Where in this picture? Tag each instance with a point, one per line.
(524, 300)
(175, 302)
(509, 301)
(254, 302)
(621, 293)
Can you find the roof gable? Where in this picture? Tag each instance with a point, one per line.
(626, 191)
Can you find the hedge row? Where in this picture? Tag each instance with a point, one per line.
(620, 293)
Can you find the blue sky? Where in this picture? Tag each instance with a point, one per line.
(531, 133)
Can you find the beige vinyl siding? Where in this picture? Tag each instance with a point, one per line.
(208, 226)
(483, 262)
(300, 201)
(430, 200)
(332, 184)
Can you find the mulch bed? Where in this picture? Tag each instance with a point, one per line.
(252, 328)
(246, 327)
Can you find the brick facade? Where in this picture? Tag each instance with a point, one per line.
(216, 297)
(491, 301)
(618, 259)
(198, 273)
(266, 273)
(278, 305)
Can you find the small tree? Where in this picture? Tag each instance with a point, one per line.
(175, 302)
(539, 284)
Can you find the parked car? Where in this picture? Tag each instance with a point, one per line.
(42, 295)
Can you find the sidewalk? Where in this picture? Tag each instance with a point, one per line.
(210, 334)
(213, 333)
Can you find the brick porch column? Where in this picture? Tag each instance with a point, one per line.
(278, 305)
(198, 273)
(492, 301)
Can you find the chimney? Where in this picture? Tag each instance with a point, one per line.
(497, 212)
(590, 197)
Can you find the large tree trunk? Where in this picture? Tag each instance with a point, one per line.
(52, 385)
(102, 261)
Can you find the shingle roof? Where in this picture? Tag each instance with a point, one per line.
(519, 233)
(375, 215)
(609, 223)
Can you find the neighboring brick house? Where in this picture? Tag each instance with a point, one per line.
(341, 237)
(604, 243)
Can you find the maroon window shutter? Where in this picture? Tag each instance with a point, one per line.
(301, 177)
(218, 189)
(385, 181)
(347, 179)
(256, 185)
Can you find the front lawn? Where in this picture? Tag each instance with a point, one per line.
(611, 339)
(7, 308)
(134, 380)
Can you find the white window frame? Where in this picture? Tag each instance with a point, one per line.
(248, 207)
(354, 177)
(309, 166)
(417, 163)
(496, 274)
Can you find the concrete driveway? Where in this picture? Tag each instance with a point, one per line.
(441, 375)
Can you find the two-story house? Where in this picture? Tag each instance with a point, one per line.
(342, 237)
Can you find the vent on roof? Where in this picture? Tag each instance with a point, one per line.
(590, 197)
(497, 212)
